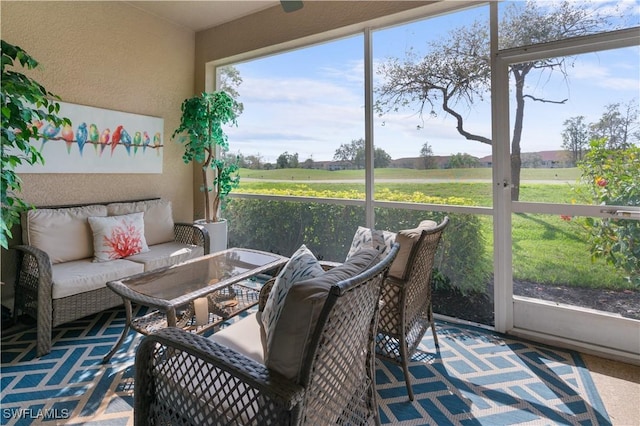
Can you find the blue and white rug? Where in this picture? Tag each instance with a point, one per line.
(477, 378)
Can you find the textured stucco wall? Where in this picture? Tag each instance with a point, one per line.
(108, 55)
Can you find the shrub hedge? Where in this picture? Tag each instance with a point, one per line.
(327, 230)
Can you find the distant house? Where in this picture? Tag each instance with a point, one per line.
(540, 159)
(332, 165)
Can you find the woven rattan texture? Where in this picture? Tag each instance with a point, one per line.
(406, 311)
(186, 379)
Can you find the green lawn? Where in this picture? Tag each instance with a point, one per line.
(546, 248)
(563, 174)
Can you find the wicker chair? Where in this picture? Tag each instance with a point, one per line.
(406, 311)
(187, 379)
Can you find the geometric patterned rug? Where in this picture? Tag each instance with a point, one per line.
(478, 377)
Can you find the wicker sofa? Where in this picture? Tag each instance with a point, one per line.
(60, 278)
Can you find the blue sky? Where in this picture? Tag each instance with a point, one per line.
(311, 101)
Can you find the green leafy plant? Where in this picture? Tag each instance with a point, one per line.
(612, 177)
(206, 143)
(26, 105)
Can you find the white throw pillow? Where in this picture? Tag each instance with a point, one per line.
(302, 265)
(115, 237)
(371, 238)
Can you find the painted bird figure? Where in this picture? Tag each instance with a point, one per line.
(48, 132)
(115, 138)
(125, 138)
(67, 135)
(137, 142)
(81, 136)
(104, 139)
(147, 141)
(94, 136)
(156, 142)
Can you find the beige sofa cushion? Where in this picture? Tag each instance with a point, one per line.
(64, 234)
(79, 276)
(301, 310)
(158, 218)
(166, 254)
(407, 238)
(243, 336)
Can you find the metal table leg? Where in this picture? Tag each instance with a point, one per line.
(125, 331)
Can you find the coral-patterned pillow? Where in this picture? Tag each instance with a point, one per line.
(115, 237)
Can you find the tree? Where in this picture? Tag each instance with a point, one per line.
(353, 153)
(462, 161)
(381, 158)
(308, 163)
(287, 161)
(26, 107)
(254, 162)
(455, 72)
(348, 152)
(610, 178)
(575, 137)
(229, 80)
(206, 143)
(531, 159)
(426, 156)
(619, 125)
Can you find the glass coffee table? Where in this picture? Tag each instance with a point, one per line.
(196, 295)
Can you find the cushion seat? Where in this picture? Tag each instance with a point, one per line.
(166, 254)
(79, 276)
(298, 316)
(243, 336)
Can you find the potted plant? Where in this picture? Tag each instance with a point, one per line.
(26, 105)
(206, 143)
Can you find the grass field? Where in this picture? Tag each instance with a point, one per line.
(563, 174)
(546, 249)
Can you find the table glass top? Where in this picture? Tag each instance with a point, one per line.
(218, 269)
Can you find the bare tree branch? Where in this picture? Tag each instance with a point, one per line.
(546, 101)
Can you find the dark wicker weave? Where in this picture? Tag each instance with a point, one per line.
(406, 312)
(33, 290)
(186, 379)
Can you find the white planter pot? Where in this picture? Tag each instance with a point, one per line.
(217, 234)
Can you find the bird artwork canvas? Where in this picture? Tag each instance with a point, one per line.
(64, 149)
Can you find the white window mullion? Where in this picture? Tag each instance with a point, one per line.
(368, 127)
(503, 273)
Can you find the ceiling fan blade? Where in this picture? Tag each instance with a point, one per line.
(291, 6)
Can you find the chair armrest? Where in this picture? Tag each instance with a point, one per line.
(396, 282)
(192, 233)
(264, 293)
(206, 382)
(33, 281)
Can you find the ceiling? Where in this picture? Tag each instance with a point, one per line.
(202, 14)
